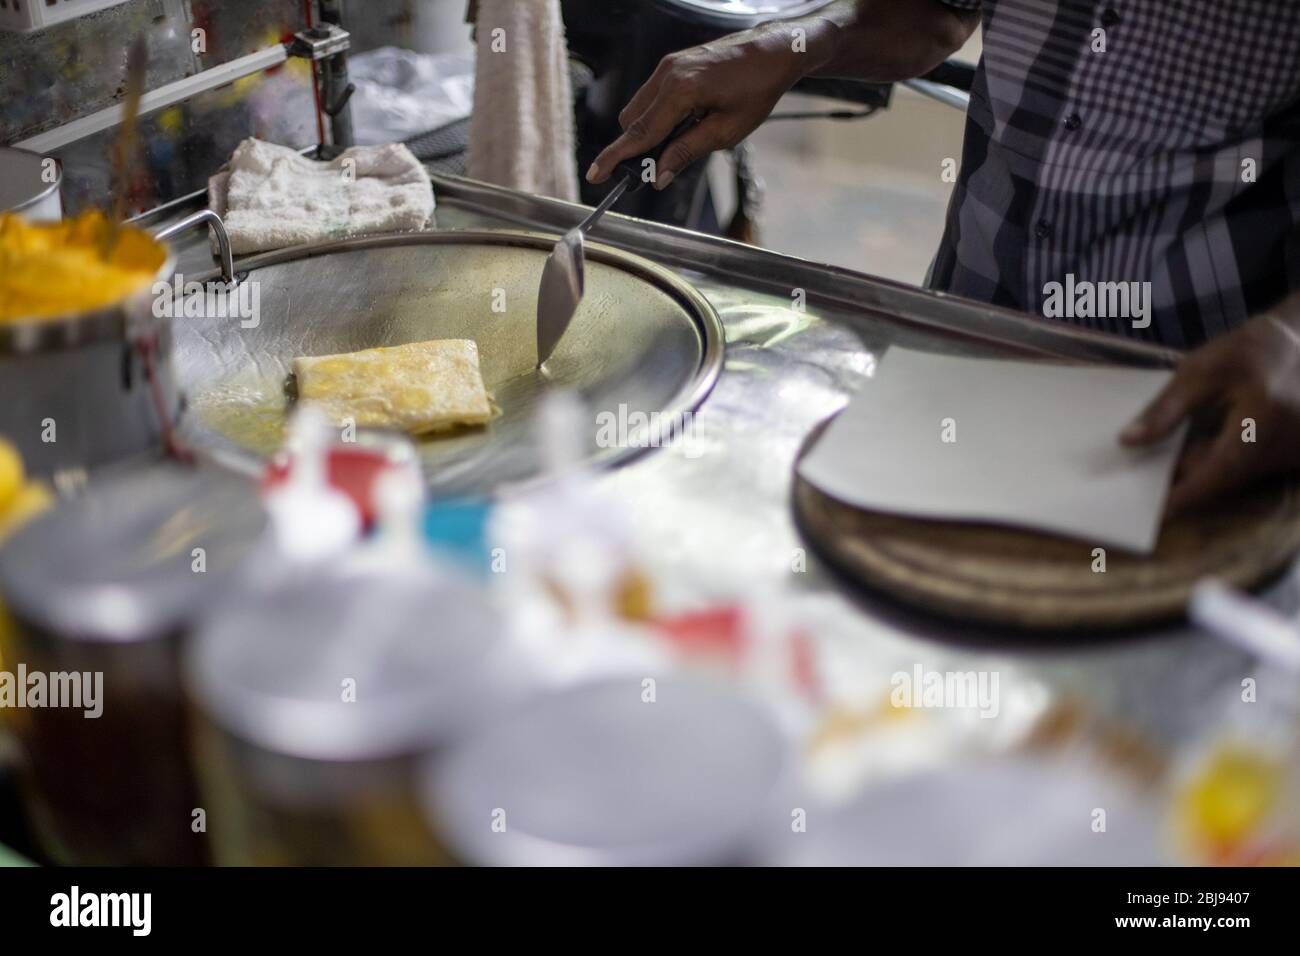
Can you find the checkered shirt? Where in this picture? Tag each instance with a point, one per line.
(1132, 141)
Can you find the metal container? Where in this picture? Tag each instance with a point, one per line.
(87, 388)
(106, 585)
(25, 187)
(319, 692)
(676, 771)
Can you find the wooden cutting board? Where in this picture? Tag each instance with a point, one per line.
(987, 574)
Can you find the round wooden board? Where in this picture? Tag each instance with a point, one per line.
(1002, 576)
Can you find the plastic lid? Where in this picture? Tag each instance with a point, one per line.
(399, 506)
(458, 529)
(312, 519)
(119, 563)
(352, 662)
(598, 776)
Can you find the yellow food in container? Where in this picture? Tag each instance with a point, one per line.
(49, 270)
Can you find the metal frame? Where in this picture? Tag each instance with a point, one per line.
(776, 272)
(208, 217)
(760, 268)
(940, 92)
(326, 43)
(154, 100)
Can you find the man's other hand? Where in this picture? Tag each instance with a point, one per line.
(1242, 395)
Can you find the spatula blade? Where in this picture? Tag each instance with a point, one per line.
(559, 293)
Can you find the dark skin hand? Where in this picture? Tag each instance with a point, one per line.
(1252, 372)
(731, 85)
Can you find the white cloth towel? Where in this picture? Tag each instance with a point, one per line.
(521, 133)
(270, 196)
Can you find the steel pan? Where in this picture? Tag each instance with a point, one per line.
(642, 342)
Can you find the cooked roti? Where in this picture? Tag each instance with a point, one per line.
(416, 388)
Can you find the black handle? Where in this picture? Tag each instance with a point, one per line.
(633, 168)
(955, 73)
(333, 109)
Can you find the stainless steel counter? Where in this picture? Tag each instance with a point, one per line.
(713, 514)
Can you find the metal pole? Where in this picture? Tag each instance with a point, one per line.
(336, 89)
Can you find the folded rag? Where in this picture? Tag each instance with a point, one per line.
(270, 196)
(521, 133)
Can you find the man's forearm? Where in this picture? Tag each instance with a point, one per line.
(881, 41)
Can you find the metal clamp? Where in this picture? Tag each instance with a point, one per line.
(320, 42)
(218, 227)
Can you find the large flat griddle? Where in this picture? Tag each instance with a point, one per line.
(644, 345)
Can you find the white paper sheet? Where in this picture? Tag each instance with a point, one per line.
(1034, 445)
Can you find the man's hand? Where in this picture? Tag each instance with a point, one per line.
(730, 86)
(1250, 375)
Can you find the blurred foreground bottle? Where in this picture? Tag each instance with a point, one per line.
(100, 592)
(322, 688)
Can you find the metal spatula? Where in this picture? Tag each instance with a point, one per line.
(562, 276)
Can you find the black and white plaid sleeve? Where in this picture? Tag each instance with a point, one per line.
(1136, 143)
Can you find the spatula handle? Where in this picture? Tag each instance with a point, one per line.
(635, 168)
